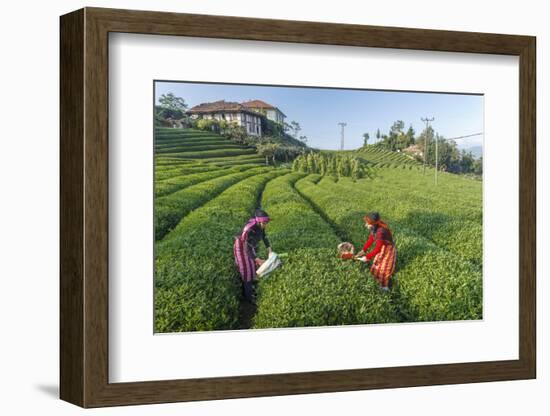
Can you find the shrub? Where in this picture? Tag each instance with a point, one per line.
(196, 283)
(331, 164)
(176, 183)
(170, 209)
(313, 287)
(432, 282)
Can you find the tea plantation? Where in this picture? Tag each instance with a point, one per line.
(206, 188)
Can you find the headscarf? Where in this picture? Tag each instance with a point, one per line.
(260, 216)
(373, 218)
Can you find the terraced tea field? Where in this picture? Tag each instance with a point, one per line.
(206, 188)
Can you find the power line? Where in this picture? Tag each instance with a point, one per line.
(342, 124)
(451, 138)
(463, 137)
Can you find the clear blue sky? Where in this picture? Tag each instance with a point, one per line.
(319, 110)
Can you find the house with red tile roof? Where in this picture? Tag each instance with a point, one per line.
(270, 111)
(248, 114)
(232, 112)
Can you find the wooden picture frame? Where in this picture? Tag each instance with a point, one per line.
(84, 207)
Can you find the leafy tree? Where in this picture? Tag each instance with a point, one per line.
(410, 135)
(267, 150)
(402, 141)
(172, 102)
(296, 128)
(365, 139)
(236, 133)
(478, 166)
(207, 124)
(426, 138)
(396, 139)
(171, 111)
(467, 161)
(397, 128)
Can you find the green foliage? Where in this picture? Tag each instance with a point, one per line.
(295, 127)
(207, 124)
(170, 209)
(478, 166)
(438, 271)
(198, 147)
(268, 151)
(344, 165)
(313, 287)
(376, 155)
(205, 154)
(234, 132)
(176, 183)
(205, 195)
(196, 282)
(294, 224)
(449, 157)
(172, 102)
(170, 111)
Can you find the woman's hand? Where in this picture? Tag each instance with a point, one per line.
(361, 253)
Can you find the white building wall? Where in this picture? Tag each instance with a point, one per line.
(251, 123)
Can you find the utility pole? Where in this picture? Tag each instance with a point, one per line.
(342, 124)
(436, 158)
(427, 121)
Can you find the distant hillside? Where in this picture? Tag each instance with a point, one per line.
(288, 140)
(380, 157)
(477, 151)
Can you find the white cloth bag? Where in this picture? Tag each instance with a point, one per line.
(269, 265)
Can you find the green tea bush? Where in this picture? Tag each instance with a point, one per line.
(200, 147)
(233, 159)
(331, 163)
(162, 174)
(294, 224)
(313, 287)
(456, 281)
(254, 162)
(214, 153)
(196, 282)
(439, 215)
(186, 143)
(176, 183)
(376, 154)
(435, 285)
(170, 209)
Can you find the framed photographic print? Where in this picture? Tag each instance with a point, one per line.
(255, 207)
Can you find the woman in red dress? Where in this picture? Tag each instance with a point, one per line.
(384, 254)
